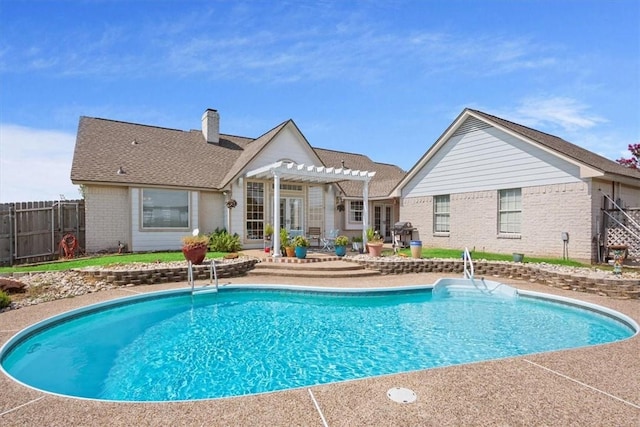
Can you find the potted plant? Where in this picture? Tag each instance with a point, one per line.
(285, 243)
(195, 246)
(341, 245)
(375, 244)
(300, 243)
(268, 231)
(356, 244)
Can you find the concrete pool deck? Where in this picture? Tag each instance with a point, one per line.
(588, 386)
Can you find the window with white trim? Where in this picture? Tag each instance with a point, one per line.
(356, 207)
(254, 206)
(510, 211)
(441, 213)
(165, 208)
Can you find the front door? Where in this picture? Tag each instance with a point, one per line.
(292, 214)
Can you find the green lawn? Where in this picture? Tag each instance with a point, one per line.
(107, 260)
(476, 255)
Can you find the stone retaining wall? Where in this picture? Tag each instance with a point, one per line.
(169, 274)
(606, 286)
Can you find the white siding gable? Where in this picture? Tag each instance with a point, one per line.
(480, 157)
(288, 144)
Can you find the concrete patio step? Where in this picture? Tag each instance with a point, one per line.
(328, 269)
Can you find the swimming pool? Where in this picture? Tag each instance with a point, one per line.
(172, 346)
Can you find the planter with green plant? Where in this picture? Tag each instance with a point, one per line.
(268, 231)
(300, 243)
(356, 244)
(374, 243)
(285, 243)
(341, 245)
(195, 246)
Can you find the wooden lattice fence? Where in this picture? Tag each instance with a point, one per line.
(623, 230)
(31, 232)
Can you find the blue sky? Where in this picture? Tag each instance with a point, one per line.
(382, 78)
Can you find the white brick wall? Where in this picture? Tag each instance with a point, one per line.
(547, 211)
(107, 217)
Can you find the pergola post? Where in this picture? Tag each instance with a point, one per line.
(276, 214)
(365, 212)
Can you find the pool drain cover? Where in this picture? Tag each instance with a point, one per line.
(401, 395)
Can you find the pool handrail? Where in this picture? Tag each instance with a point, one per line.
(213, 273)
(468, 271)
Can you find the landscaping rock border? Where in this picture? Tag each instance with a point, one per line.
(575, 279)
(166, 273)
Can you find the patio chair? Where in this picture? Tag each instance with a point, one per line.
(328, 241)
(314, 234)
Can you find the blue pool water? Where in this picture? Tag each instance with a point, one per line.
(239, 341)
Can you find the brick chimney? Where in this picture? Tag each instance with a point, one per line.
(211, 126)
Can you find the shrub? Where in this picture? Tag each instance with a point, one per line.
(5, 301)
(222, 241)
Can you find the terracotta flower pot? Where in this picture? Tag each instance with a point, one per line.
(195, 254)
(375, 249)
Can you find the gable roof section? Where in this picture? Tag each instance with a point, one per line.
(563, 147)
(156, 156)
(385, 180)
(251, 151)
(151, 155)
(550, 143)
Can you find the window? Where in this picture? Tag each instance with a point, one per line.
(441, 214)
(355, 210)
(255, 210)
(165, 208)
(510, 211)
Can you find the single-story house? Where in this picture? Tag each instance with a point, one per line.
(147, 186)
(497, 186)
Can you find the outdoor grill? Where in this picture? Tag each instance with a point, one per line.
(402, 232)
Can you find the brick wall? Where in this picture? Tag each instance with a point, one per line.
(108, 217)
(547, 211)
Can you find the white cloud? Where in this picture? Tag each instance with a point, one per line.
(555, 112)
(241, 46)
(35, 164)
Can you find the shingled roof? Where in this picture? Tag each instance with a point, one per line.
(563, 147)
(386, 178)
(150, 155)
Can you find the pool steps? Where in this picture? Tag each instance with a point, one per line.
(470, 285)
(464, 286)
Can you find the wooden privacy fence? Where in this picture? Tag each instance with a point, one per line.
(31, 232)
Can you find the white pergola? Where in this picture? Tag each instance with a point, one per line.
(293, 172)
